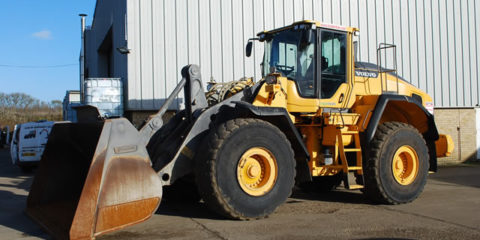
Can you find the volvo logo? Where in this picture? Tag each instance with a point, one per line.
(367, 74)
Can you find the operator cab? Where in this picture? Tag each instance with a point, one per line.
(311, 55)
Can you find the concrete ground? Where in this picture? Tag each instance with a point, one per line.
(449, 208)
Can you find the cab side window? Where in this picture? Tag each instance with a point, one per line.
(306, 68)
(333, 62)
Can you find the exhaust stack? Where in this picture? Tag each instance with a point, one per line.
(82, 56)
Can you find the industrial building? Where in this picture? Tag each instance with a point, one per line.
(145, 43)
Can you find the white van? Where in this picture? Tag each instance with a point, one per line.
(28, 143)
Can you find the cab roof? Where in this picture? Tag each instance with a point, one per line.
(316, 23)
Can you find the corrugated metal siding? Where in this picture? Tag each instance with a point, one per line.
(437, 41)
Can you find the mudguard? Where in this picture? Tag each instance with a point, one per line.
(431, 135)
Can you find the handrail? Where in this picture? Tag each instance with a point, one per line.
(385, 46)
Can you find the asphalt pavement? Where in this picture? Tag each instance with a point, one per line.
(449, 208)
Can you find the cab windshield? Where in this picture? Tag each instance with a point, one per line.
(292, 53)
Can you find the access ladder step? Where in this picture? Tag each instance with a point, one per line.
(355, 186)
(349, 132)
(350, 178)
(352, 149)
(354, 168)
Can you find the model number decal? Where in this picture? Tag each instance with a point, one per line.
(367, 74)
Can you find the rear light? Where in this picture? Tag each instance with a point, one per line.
(429, 107)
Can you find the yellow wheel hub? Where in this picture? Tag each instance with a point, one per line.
(405, 165)
(257, 171)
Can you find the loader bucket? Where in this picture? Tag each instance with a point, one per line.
(93, 178)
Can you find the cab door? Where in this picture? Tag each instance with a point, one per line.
(332, 62)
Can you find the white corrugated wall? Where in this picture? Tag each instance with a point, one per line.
(437, 41)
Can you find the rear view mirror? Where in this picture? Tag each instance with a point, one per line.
(248, 49)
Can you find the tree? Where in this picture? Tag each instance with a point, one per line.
(20, 107)
(56, 104)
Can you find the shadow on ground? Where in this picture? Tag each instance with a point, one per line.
(189, 210)
(200, 210)
(465, 174)
(13, 205)
(340, 196)
(15, 218)
(383, 238)
(13, 198)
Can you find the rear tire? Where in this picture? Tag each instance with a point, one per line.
(248, 169)
(397, 168)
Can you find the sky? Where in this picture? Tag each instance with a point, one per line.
(40, 46)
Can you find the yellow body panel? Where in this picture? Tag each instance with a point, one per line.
(273, 95)
(297, 104)
(365, 86)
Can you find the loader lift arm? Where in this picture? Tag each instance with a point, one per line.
(195, 99)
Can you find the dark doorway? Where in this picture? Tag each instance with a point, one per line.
(105, 56)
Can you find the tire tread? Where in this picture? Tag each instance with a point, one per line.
(373, 185)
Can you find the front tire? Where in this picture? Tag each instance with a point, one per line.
(397, 168)
(248, 169)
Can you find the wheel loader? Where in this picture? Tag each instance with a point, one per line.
(317, 118)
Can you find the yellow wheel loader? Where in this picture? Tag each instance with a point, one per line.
(317, 118)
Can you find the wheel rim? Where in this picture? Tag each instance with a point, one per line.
(257, 171)
(405, 165)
